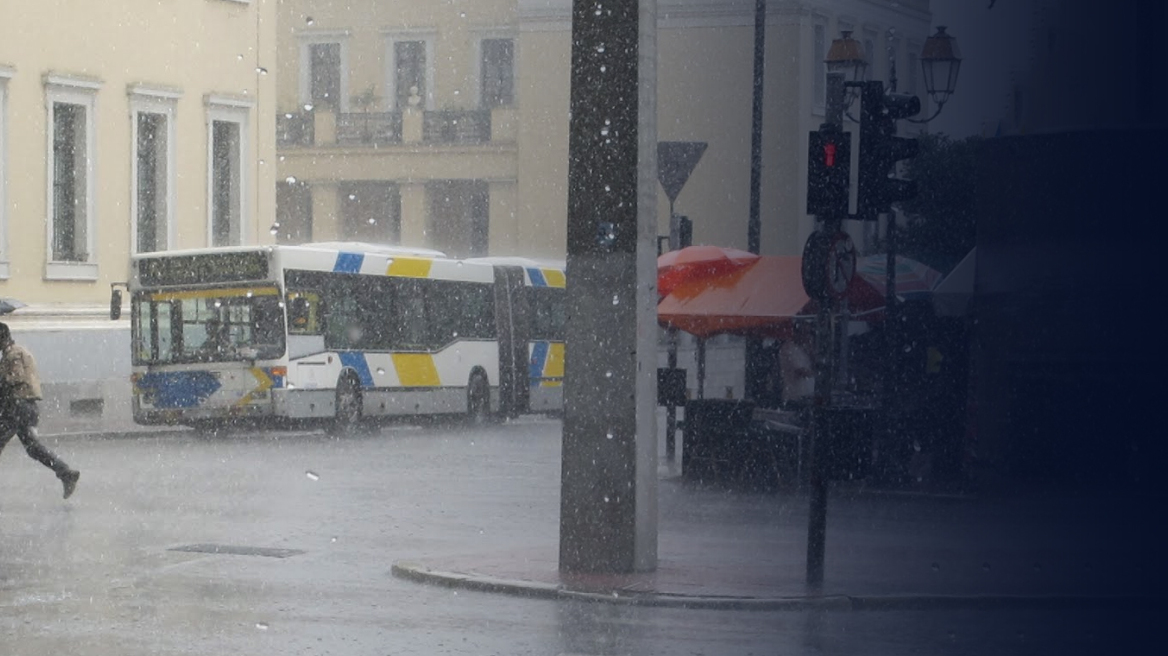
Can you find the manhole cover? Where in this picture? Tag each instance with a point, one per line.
(230, 550)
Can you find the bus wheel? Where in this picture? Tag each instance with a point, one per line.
(478, 400)
(348, 414)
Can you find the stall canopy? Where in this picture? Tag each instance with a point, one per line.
(762, 298)
(678, 267)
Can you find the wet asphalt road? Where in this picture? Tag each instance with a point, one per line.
(99, 574)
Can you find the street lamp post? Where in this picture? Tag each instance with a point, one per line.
(846, 62)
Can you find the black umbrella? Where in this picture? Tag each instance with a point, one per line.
(9, 304)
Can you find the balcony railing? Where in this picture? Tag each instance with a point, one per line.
(294, 129)
(369, 128)
(457, 126)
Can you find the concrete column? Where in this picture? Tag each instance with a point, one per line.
(503, 235)
(414, 213)
(324, 127)
(608, 495)
(412, 125)
(326, 211)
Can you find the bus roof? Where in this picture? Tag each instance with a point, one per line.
(330, 246)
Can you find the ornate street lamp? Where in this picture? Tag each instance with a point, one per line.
(940, 63)
(846, 56)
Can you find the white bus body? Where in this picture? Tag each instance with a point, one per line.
(341, 331)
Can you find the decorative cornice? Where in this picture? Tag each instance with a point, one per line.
(221, 101)
(153, 92)
(79, 82)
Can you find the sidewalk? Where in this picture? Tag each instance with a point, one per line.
(719, 549)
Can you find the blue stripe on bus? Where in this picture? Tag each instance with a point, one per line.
(539, 353)
(178, 389)
(355, 360)
(537, 278)
(348, 263)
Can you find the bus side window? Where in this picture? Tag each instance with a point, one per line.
(298, 315)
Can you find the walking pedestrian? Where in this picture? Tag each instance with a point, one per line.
(20, 389)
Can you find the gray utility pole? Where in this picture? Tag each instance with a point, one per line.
(754, 365)
(608, 488)
(825, 351)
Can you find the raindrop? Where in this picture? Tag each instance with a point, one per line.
(261, 162)
(908, 348)
(607, 188)
(608, 374)
(916, 446)
(985, 567)
(615, 299)
(455, 333)
(262, 626)
(287, 116)
(936, 567)
(352, 196)
(597, 11)
(251, 293)
(275, 228)
(600, 48)
(334, 539)
(291, 386)
(281, 158)
(603, 69)
(240, 57)
(381, 371)
(606, 498)
(308, 20)
(290, 180)
(218, 303)
(372, 220)
(312, 476)
(308, 108)
(261, 70)
(604, 132)
(462, 14)
(280, 304)
(609, 435)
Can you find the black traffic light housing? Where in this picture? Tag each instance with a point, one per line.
(829, 166)
(881, 149)
(684, 232)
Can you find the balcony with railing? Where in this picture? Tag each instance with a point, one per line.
(446, 127)
(295, 129)
(456, 126)
(369, 128)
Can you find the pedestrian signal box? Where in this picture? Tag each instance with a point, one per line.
(829, 172)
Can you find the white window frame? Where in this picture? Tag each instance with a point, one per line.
(74, 91)
(153, 100)
(477, 65)
(307, 40)
(231, 110)
(6, 73)
(392, 37)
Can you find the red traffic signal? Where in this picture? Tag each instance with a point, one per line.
(828, 172)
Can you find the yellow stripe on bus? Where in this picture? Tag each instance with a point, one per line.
(554, 277)
(554, 367)
(213, 293)
(416, 369)
(265, 383)
(409, 267)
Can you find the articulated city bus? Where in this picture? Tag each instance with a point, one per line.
(337, 332)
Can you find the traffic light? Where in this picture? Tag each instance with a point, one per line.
(829, 163)
(881, 149)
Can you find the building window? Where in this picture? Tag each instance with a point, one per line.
(152, 113)
(324, 70)
(227, 144)
(498, 72)
(371, 212)
(409, 70)
(71, 210)
(325, 75)
(458, 222)
(819, 54)
(293, 213)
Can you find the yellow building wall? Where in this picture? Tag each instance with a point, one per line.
(216, 47)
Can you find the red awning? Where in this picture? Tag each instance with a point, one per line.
(760, 299)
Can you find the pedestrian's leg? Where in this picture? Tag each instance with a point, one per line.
(40, 452)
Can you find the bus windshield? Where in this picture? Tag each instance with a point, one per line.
(208, 325)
